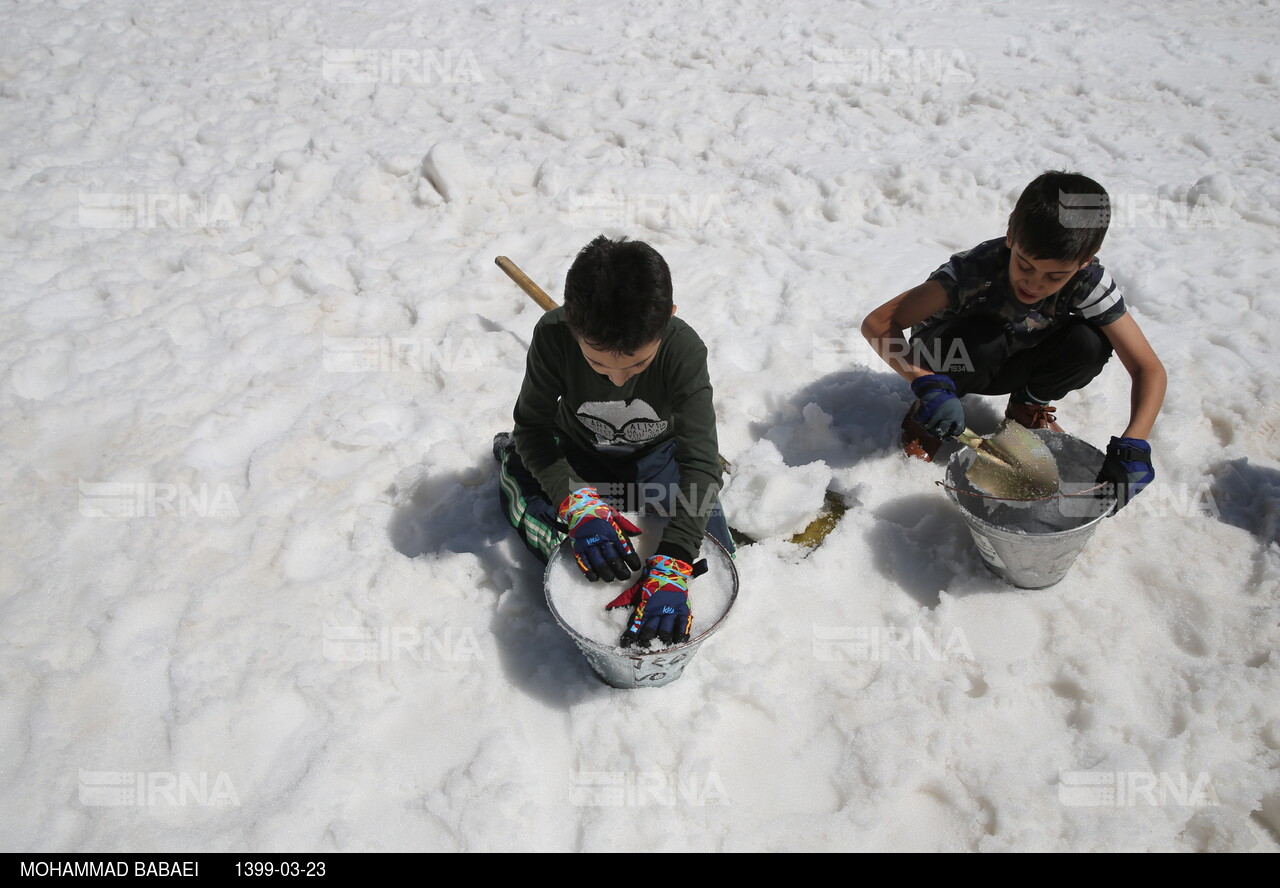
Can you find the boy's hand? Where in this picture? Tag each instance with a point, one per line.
(661, 601)
(1127, 469)
(941, 412)
(599, 533)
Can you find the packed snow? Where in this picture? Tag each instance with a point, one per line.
(580, 603)
(258, 594)
(768, 498)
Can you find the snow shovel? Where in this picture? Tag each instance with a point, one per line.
(1012, 464)
(833, 504)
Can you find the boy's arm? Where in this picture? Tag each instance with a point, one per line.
(885, 328)
(698, 459)
(1146, 371)
(535, 421)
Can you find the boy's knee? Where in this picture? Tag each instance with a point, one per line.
(962, 345)
(1088, 342)
(503, 442)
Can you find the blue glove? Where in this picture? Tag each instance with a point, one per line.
(1127, 469)
(599, 533)
(941, 412)
(661, 601)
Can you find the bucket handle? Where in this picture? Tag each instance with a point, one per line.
(1034, 499)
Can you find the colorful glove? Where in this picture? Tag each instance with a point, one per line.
(599, 533)
(661, 601)
(632, 596)
(1127, 469)
(941, 412)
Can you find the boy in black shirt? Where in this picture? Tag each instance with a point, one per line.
(1032, 315)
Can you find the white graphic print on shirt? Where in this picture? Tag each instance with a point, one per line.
(621, 425)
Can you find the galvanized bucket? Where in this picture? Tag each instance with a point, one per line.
(623, 668)
(1032, 545)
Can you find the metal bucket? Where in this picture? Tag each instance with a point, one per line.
(650, 669)
(1032, 545)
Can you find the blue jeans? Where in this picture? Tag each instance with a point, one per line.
(647, 483)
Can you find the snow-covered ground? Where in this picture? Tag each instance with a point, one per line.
(257, 591)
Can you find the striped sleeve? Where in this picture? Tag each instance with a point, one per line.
(1102, 302)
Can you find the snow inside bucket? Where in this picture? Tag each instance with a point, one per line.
(578, 606)
(1032, 544)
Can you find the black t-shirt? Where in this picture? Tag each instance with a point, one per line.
(977, 283)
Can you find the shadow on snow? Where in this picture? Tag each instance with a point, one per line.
(453, 513)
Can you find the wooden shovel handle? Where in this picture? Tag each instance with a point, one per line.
(536, 293)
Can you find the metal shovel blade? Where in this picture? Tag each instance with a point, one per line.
(1013, 464)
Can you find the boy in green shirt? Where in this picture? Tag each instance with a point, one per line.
(616, 411)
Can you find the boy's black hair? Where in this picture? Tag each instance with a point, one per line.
(617, 295)
(1061, 216)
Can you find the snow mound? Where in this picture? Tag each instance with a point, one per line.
(450, 171)
(766, 498)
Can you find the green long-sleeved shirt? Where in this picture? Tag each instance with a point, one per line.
(562, 396)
